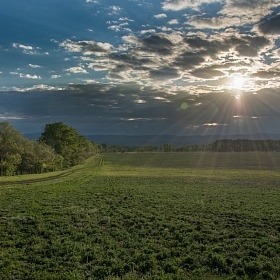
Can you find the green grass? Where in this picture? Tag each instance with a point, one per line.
(145, 216)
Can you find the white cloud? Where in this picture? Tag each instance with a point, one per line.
(177, 5)
(7, 116)
(147, 31)
(55, 76)
(131, 39)
(160, 16)
(125, 19)
(173, 21)
(119, 27)
(40, 87)
(34, 65)
(76, 70)
(26, 76)
(87, 47)
(23, 47)
(29, 49)
(115, 8)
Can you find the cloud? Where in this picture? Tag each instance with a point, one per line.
(115, 8)
(158, 43)
(34, 65)
(120, 27)
(254, 10)
(244, 45)
(38, 87)
(177, 5)
(87, 47)
(29, 49)
(164, 73)
(216, 22)
(7, 116)
(270, 25)
(23, 47)
(143, 32)
(188, 60)
(207, 73)
(160, 16)
(56, 76)
(26, 76)
(77, 70)
(173, 21)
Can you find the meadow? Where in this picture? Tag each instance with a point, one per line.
(145, 216)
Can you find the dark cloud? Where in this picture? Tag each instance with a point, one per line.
(99, 109)
(164, 73)
(189, 60)
(207, 73)
(270, 25)
(211, 46)
(157, 43)
(267, 74)
(134, 60)
(245, 45)
(250, 45)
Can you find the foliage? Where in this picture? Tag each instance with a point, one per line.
(60, 146)
(139, 217)
(66, 142)
(11, 147)
(37, 157)
(244, 145)
(223, 145)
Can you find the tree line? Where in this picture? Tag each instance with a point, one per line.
(60, 146)
(223, 145)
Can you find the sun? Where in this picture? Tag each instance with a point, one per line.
(238, 82)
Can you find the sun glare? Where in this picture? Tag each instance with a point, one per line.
(238, 82)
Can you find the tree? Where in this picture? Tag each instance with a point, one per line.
(11, 147)
(167, 148)
(66, 142)
(38, 157)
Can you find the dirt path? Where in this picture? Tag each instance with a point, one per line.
(35, 180)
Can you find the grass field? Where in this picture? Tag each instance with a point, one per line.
(145, 216)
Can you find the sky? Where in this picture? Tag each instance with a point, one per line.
(141, 67)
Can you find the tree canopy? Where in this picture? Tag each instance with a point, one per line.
(60, 146)
(66, 142)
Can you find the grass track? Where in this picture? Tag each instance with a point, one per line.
(145, 216)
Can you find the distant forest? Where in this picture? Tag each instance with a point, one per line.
(60, 146)
(223, 145)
